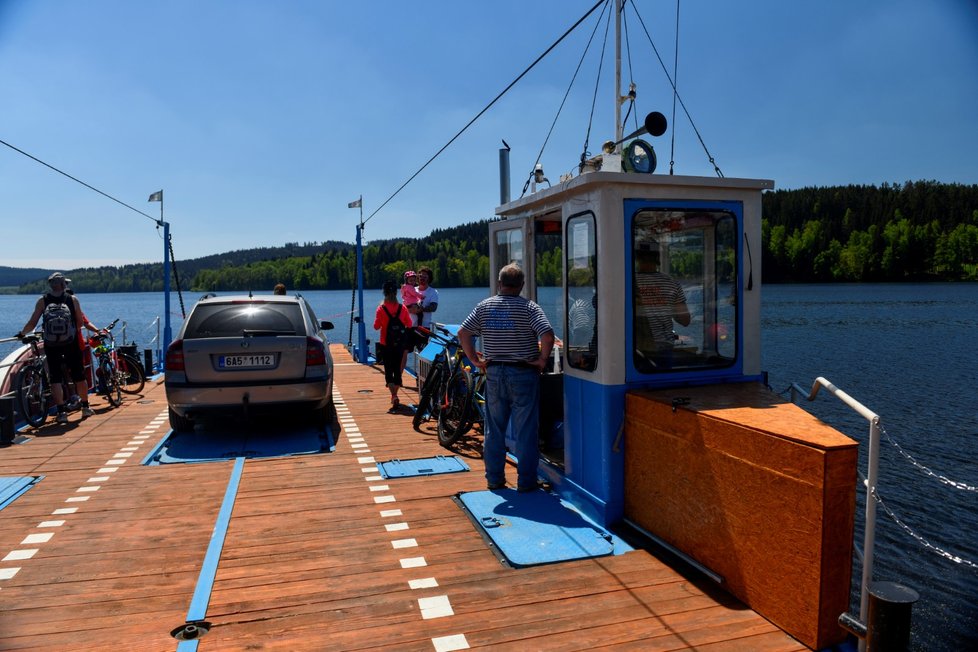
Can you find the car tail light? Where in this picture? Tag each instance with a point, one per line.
(315, 352)
(174, 356)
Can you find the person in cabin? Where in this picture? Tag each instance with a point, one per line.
(517, 340)
(394, 323)
(410, 294)
(659, 300)
(60, 312)
(429, 301)
(279, 289)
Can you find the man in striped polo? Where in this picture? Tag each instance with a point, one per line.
(517, 340)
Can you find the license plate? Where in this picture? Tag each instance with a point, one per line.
(247, 361)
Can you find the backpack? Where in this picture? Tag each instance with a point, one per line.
(59, 322)
(396, 333)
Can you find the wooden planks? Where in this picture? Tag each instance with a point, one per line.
(317, 556)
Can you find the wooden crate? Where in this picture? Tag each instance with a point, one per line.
(754, 488)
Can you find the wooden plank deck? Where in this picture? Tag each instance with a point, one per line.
(321, 553)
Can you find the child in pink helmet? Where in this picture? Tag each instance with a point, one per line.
(410, 295)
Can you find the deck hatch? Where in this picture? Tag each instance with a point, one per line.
(12, 488)
(536, 528)
(422, 466)
(217, 445)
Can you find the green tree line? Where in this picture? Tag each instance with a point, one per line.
(914, 231)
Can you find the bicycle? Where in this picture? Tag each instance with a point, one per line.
(466, 405)
(127, 371)
(433, 394)
(34, 386)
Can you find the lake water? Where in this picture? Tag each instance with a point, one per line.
(904, 351)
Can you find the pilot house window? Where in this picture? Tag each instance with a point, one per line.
(582, 294)
(684, 280)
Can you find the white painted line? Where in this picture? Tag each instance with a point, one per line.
(404, 543)
(87, 489)
(413, 562)
(134, 445)
(32, 539)
(115, 462)
(8, 573)
(450, 643)
(358, 447)
(98, 478)
(388, 513)
(50, 524)
(17, 555)
(374, 478)
(435, 607)
(380, 487)
(365, 460)
(109, 469)
(65, 510)
(355, 440)
(396, 527)
(369, 469)
(425, 583)
(377, 499)
(147, 432)
(118, 455)
(130, 448)
(77, 499)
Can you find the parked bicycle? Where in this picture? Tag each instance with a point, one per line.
(466, 405)
(433, 391)
(125, 369)
(34, 386)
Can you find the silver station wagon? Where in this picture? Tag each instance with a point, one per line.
(250, 355)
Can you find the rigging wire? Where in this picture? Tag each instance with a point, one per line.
(631, 72)
(594, 99)
(678, 97)
(488, 106)
(563, 101)
(16, 149)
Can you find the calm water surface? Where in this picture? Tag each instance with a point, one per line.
(907, 352)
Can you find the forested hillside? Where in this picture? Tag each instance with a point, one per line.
(915, 231)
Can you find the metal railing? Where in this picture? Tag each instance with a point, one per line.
(872, 468)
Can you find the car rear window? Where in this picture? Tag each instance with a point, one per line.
(235, 320)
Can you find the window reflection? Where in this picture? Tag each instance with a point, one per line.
(582, 294)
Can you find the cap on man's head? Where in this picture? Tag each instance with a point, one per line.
(56, 277)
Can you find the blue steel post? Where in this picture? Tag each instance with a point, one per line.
(361, 354)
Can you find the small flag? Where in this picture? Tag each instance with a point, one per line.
(156, 196)
(355, 204)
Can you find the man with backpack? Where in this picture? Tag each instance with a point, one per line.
(394, 323)
(59, 313)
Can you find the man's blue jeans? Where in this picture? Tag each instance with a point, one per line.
(512, 394)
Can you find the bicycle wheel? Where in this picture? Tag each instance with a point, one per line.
(32, 395)
(131, 376)
(109, 376)
(453, 417)
(426, 402)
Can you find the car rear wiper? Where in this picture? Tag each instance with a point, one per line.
(258, 332)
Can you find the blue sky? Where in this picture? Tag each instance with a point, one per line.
(262, 120)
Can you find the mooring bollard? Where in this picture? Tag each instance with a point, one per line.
(888, 618)
(7, 431)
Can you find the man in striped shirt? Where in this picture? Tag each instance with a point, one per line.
(659, 300)
(517, 340)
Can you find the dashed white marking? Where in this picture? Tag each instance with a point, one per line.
(115, 462)
(32, 539)
(365, 460)
(358, 447)
(355, 440)
(87, 489)
(388, 513)
(379, 487)
(450, 643)
(118, 455)
(109, 469)
(77, 499)
(413, 562)
(65, 510)
(134, 445)
(98, 478)
(17, 555)
(404, 543)
(378, 499)
(435, 607)
(396, 527)
(50, 523)
(369, 469)
(8, 573)
(374, 478)
(424, 583)
(130, 448)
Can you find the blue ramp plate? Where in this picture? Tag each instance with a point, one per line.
(12, 487)
(212, 445)
(423, 466)
(535, 528)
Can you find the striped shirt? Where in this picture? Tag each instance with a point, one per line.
(656, 298)
(510, 327)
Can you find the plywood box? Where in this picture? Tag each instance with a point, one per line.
(754, 488)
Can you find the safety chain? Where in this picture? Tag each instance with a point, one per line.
(924, 542)
(942, 478)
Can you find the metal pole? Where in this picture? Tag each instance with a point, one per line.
(167, 331)
(362, 355)
(869, 537)
(619, 128)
